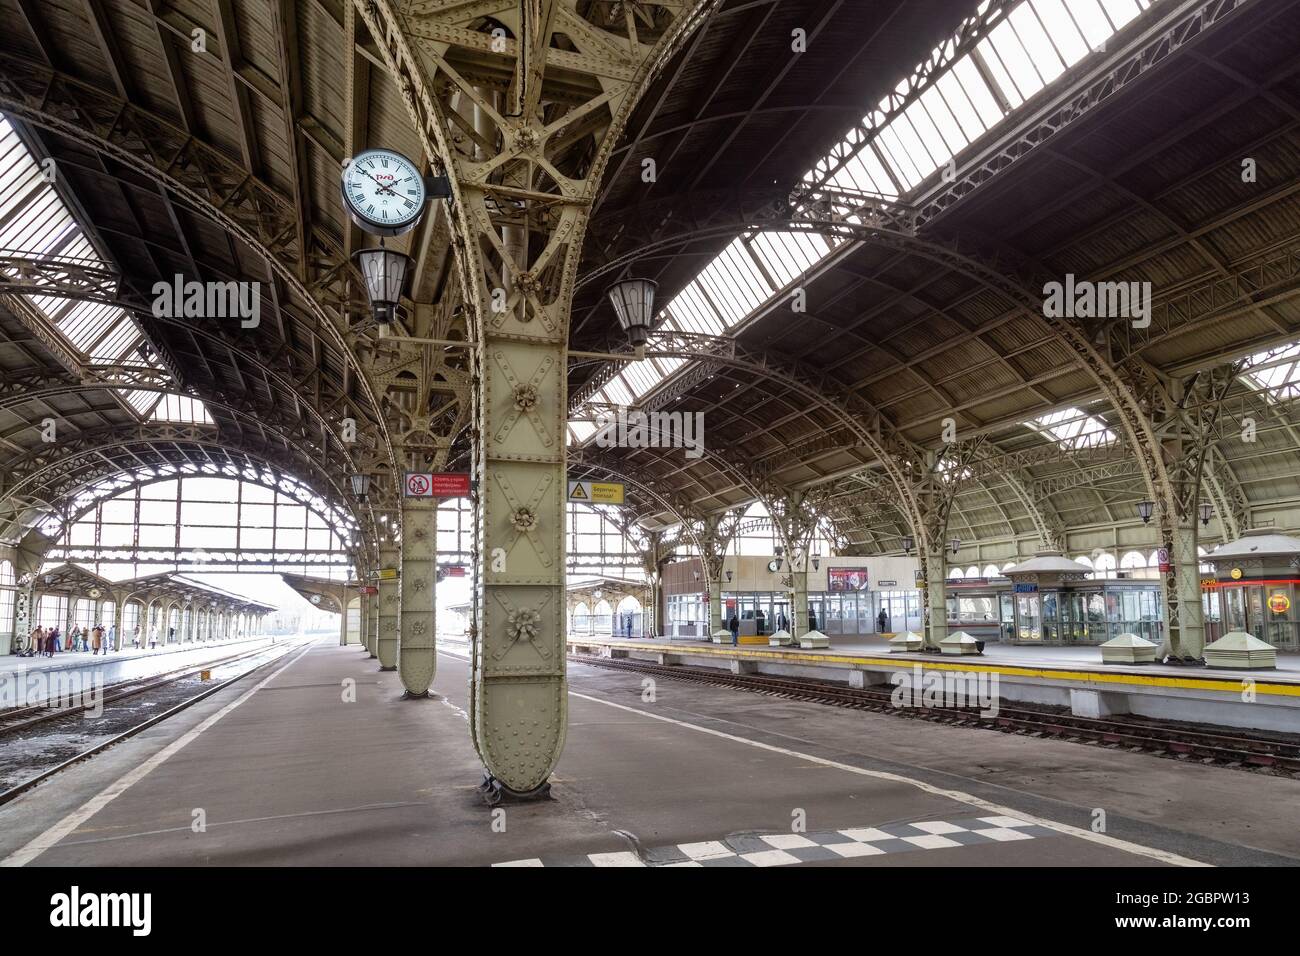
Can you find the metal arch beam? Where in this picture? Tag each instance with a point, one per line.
(288, 430)
(202, 176)
(143, 481)
(868, 219)
(58, 458)
(1230, 501)
(95, 283)
(868, 425)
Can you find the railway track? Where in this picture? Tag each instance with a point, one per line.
(14, 719)
(1136, 735)
(9, 731)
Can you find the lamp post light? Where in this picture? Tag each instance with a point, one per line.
(361, 486)
(385, 274)
(955, 545)
(1207, 512)
(634, 307)
(1144, 509)
(729, 574)
(908, 543)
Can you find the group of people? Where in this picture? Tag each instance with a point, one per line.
(46, 642)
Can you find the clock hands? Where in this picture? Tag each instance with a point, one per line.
(382, 187)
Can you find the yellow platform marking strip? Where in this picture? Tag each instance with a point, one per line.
(1119, 677)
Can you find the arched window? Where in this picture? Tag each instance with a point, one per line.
(973, 571)
(1133, 560)
(955, 574)
(991, 571)
(1103, 564)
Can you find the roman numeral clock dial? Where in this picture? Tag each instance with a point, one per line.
(384, 192)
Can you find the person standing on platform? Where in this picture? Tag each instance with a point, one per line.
(734, 627)
(96, 640)
(882, 619)
(38, 640)
(627, 626)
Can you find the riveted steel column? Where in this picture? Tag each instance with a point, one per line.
(936, 588)
(390, 610)
(1189, 640)
(521, 695)
(519, 224)
(417, 659)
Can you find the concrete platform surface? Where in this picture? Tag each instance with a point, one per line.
(1011, 655)
(288, 768)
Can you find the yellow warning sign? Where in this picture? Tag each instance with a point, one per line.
(388, 574)
(596, 492)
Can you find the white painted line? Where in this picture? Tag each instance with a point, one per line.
(114, 790)
(1151, 853)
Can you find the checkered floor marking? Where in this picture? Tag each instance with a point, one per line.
(789, 849)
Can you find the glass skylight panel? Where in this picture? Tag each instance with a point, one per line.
(1091, 20)
(1277, 372)
(38, 224)
(1073, 428)
(1015, 59)
(694, 313)
(141, 401)
(1120, 12)
(617, 392)
(939, 113)
(1047, 61)
(641, 377)
(1062, 29)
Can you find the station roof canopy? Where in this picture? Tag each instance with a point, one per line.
(851, 244)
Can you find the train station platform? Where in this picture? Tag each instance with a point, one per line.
(1062, 676)
(34, 680)
(318, 761)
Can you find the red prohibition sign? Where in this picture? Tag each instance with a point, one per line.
(417, 485)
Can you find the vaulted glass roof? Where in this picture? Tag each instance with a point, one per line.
(1032, 46)
(36, 223)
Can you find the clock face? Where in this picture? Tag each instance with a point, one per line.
(772, 566)
(383, 192)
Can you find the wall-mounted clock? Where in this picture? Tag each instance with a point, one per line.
(774, 566)
(315, 599)
(384, 192)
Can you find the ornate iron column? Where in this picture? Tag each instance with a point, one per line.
(417, 658)
(390, 608)
(523, 181)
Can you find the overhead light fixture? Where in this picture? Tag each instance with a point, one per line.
(955, 545)
(1207, 512)
(729, 574)
(361, 486)
(908, 543)
(634, 307)
(1144, 509)
(385, 274)
(49, 579)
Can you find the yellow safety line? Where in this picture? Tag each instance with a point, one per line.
(1119, 677)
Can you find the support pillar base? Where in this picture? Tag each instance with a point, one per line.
(497, 793)
(383, 668)
(407, 695)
